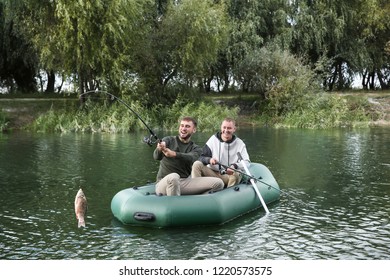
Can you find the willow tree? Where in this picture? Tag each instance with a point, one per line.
(254, 25)
(195, 31)
(342, 38)
(18, 59)
(85, 39)
(374, 59)
(181, 47)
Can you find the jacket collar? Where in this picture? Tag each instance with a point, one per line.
(218, 135)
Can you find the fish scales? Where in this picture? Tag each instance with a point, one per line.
(80, 207)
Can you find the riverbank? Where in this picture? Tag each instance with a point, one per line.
(21, 112)
(381, 104)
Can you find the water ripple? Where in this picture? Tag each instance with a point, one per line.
(329, 209)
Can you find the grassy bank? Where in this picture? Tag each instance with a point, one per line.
(105, 116)
(65, 114)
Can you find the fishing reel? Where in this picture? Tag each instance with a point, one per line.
(222, 170)
(151, 140)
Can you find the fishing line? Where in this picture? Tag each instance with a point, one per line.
(223, 169)
(152, 139)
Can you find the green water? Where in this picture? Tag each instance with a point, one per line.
(334, 205)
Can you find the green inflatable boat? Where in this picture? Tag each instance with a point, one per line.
(142, 207)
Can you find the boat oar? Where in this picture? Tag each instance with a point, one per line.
(254, 185)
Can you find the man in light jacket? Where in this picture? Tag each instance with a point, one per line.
(220, 157)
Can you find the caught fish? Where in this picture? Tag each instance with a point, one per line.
(80, 207)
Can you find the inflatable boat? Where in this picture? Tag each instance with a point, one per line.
(141, 206)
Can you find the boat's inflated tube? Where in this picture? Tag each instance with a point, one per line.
(141, 206)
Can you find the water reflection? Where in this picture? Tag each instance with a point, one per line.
(334, 205)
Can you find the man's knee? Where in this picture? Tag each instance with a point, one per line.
(197, 164)
(169, 185)
(173, 179)
(218, 185)
(197, 167)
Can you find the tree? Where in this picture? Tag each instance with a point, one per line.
(320, 31)
(255, 24)
(348, 37)
(375, 61)
(180, 48)
(85, 38)
(18, 60)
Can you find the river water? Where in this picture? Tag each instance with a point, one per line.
(334, 203)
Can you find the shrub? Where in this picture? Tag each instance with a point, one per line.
(330, 110)
(117, 118)
(3, 121)
(208, 115)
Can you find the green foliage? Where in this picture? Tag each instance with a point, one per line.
(255, 24)
(194, 31)
(286, 83)
(19, 62)
(116, 118)
(352, 34)
(293, 97)
(3, 121)
(208, 115)
(179, 48)
(87, 39)
(91, 117)
(164, 44)
(328, 111)
(164, 53)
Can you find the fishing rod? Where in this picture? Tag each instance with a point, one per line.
(152, 139)
(223, 168)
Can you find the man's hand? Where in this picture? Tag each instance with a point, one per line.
(166, 151)
(229, 171)
(214, 161)
(169, 153)
(161, 146)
